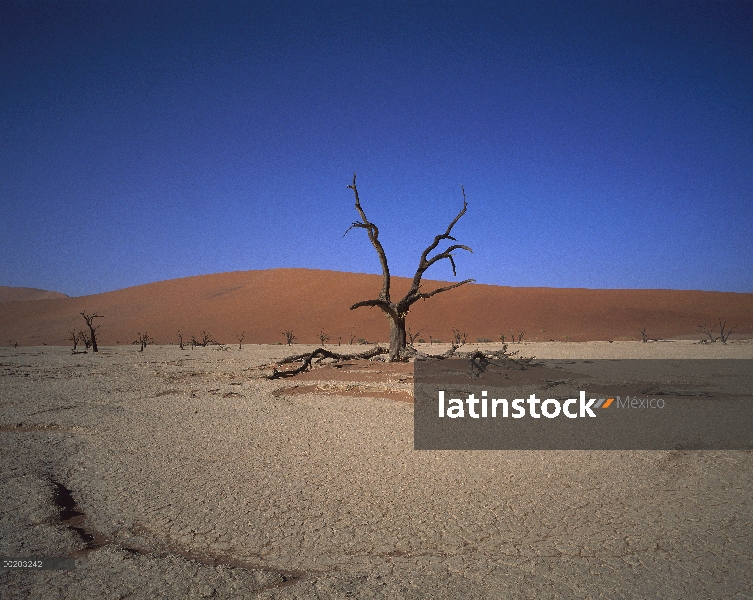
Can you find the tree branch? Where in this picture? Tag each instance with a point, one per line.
(424, 263)
(447, 254)
(320, 353)
(373, 232)
(439, 290)
(380, 303)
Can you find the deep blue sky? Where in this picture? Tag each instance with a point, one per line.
(601, 144)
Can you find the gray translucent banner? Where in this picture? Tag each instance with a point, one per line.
(479, 404)
(53, 563)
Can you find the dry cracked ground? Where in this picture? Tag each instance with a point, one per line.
(186, 474)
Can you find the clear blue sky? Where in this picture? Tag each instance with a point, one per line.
(601, 144)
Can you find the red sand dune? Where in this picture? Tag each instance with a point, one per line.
(13, 294)
(264, 303)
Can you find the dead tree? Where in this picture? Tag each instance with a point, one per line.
(84, 339)
(180, 337)
(724, 335)
(723, 332)
(412, 336)
(240, 339)
(289, 337)
(143, 340)
(92, 329)
(206, 340)
(323, 337)
(397, 312)
(74, 338)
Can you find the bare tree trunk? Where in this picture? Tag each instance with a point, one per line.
(397, 337)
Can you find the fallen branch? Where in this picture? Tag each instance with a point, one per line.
(476, 358)
(321, 354)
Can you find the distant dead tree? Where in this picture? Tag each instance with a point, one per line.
(180, 337)
(323, 337)
(84, 339)
(289, 337)
(79, 337)
(92, 329)
(412, 336)
(397, 312)
(724, 336)
(143, 339)
(206, 340)
(645, 338)
(74, 338)
(723, 332)
(459, 338)
(520, 336)
(352, 336)
(240, 339)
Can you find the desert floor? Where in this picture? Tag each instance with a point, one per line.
(186, 474)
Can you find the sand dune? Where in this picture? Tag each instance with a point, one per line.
(13, 294)
(264, 303)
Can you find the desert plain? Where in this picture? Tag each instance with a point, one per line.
(174, 473)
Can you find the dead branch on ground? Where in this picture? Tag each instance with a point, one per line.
(320, 354)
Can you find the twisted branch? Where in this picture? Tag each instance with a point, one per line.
(320, 353)
(373, 232)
